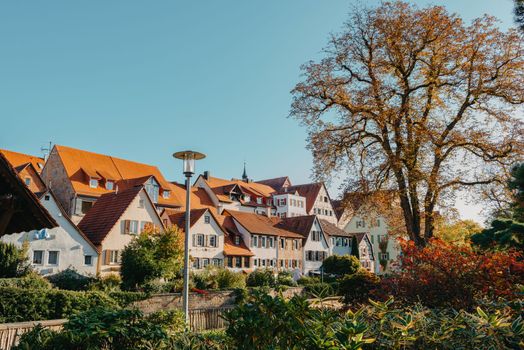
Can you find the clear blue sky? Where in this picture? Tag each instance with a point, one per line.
(142, 79)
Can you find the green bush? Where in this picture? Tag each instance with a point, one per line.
(341, 265)
(307, 280)
(125, 298)
(261, 278)
(213, 277)
(109, 283)
(285, 278)
(70, 279)
(152, 255)
(356, 288)
(293, 324)
(30, 281)
(227, 279)
(18, 304)
(319, 290)
(13, 261)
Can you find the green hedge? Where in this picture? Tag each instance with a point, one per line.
(125, 298)
(29, 282)
(17, 304)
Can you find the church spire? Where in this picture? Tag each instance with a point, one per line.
(244, 175)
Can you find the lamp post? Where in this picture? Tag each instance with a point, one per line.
(189, 158)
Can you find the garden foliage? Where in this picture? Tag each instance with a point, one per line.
(341, 265)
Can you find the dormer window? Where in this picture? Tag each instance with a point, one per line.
(259, 200)
(247, 198)
(110, 185)
(237, 240)
(93, 183)
(166, 194)
(27, 181)
(152, 189)
(269, 202)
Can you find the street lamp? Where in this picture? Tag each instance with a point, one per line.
(189, 158)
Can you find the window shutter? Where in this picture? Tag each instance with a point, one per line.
(107, 257)
(78, 206)
(194, 239)
(127, 226)
(206, 241)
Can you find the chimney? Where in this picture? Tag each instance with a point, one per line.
(207, 174)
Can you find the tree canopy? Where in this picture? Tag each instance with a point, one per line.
(414, 101)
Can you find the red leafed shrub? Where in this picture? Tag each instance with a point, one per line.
(443, 274)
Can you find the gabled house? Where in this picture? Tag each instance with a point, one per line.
(240, 195)
(206, 245)
(264, 238)
(28, 169)
(315, 245)
(115, 220)
(340, 243)
(318, 201)
(236, 253)
(79, 178)
(52, 250)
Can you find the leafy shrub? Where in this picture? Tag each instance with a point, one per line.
(70, 279)
(442, 274)
(214, 277)
(503, 234)
(319, 290)
(18, 304)
(13, 261)
(357, 288)
(227, 279)
(152, 255)
(125, 298)
(294, 324)
(30, 281)
(307, 280)
(109, 283)
(285, 278)
(261, 278)
(341, 265)
(104, 329)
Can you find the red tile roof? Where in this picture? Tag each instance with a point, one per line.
(298, 224)
(230, 248)
(179, 218)
(333, 230)
(260, 224)
(276, 183)
(310, 191)
(80, 164)
(106, 212)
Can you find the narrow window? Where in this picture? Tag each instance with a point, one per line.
(52, 258)
(93, 183)
(88, 260)
(166, 194)
(237, 240)
(38, 257)
(109, 185)
(213, 240)
(207, 219)
(27, 181)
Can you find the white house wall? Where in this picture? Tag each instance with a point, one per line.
(200, 227)
(260, 253)
(321, 245)
(65, 239)
(324, 210)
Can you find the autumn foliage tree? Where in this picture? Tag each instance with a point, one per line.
(417, 102)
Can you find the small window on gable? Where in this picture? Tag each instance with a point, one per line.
(259, 200)
(46, 197)
(166, 194)
(88, 260)
(141, 203)
(207, 219)
(110, 185)
(237, 240)
(93, 183)
(27, 181)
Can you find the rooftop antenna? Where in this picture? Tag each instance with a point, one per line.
(46, 150)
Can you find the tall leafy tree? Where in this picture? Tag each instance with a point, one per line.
(417, 102)
(519, 13)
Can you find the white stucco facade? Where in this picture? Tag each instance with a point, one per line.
(54, 250)
(289, 205)
(140, 210)
(323, 208)
(207, 242)
(315, 249)
(264, 248)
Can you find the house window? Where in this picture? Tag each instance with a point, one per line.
(237, 240)
(247, 198)
(270, 242)
(213, 240)
(141, 203)
(131, 227)
(205, 262)
(114, 257)
(282, 215)
(47, 197)
(198, 240)
(372, 239)
(246, 261)
(52, 258)
(93, 183)
(238, 262)
(384, 256)
(217, 262)
(229, 261)
(207, 219)
(196, 263)
(264, 262)
(254, 241)
(27, 181)
(85, 206)
(360, 223)
(166, 194)
(263, 242)
(282, 243)
(38, 257)
(269, 202)
(259, 200)
(109, 185)
(88, 260)
(152, 189)
(255, 262)
(325, 199)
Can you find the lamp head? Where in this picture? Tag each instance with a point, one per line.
(189, 158)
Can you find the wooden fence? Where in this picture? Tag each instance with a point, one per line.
(199, 320)
(10, 332)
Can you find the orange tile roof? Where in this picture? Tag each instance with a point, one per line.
(126, 174)
(260, 224)
(255, 188)
(199, 197)
(276, 183)
(230, 248)
(19, 159)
